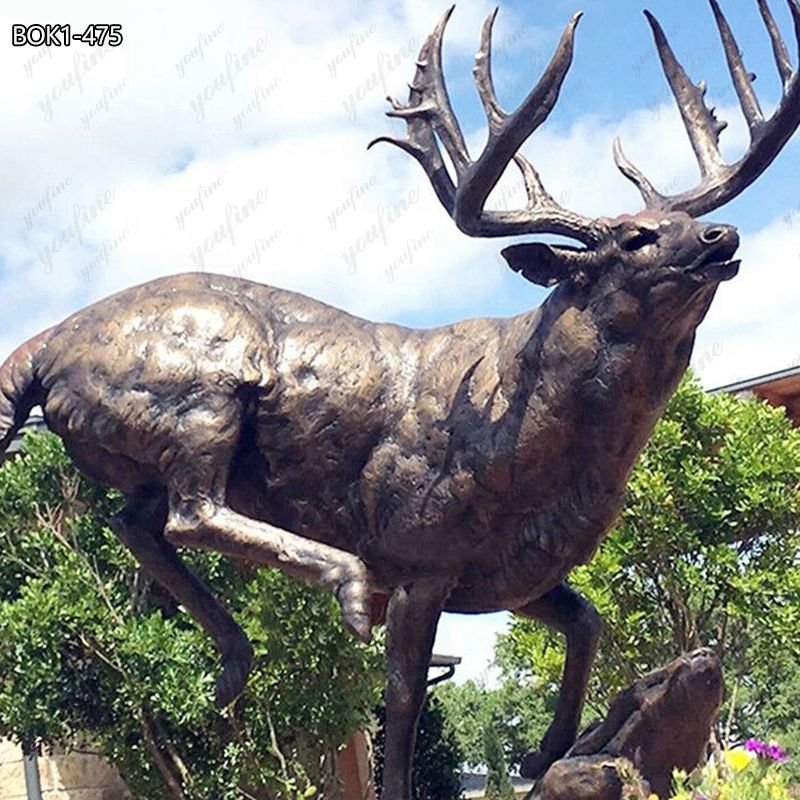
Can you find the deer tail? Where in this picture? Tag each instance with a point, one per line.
(19, 387)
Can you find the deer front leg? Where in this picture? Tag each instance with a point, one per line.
(566, 611)
(412, 617)
(210, 525)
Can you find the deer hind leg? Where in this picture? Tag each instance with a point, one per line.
(412, 617)
(140, 526)
(200, 517)
(566, 611)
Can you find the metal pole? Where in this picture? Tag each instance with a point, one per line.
(30, 764)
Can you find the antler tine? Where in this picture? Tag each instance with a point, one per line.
(720, 181)
(496, 116)
(435, 102)
(652, 198)
(701, 124)
(507, 132)
(418, 112)
(537, 194)
(421, 144)
(483, 76)
(742, 79)
(778, 46)
(430, 117)
(512, 129)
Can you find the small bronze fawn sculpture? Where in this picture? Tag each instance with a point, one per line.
(467, 468)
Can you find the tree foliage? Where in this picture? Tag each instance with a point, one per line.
(93, 652)
(707, 551)
(436, 771)
(498, 782)
(517, 711)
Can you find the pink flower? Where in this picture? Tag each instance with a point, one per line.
(767, 750)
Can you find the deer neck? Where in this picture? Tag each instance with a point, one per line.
(591, 372)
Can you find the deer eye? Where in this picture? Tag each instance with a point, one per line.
(639, 238)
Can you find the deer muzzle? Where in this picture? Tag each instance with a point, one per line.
(717, 262)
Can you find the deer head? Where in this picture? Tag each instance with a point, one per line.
(661, 246)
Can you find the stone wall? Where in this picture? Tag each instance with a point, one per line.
(12, 779)
(86, 776)
(77, 776)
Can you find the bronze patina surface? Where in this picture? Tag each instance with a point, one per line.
(466, 468)
(661, 723)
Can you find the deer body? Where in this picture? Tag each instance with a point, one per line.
(333, 410)
(465, 468)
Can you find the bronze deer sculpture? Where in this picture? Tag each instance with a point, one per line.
(466, 468)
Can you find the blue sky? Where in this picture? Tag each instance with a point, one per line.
(232, 138)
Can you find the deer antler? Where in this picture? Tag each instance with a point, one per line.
(720, 181)
(429, 117)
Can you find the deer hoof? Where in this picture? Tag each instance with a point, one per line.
(233, 678)
(355, 598)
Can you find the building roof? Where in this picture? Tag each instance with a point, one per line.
(780, 389)
(447, 663)
(444, 661)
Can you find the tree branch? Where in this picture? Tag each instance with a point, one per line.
(170, 781)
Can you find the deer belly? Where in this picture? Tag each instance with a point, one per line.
(525, 577)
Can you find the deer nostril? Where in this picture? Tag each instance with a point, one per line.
(712, 235)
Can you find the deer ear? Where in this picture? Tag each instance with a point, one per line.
(545, 264)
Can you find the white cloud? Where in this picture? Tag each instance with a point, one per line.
(272, 105)
(752, 328)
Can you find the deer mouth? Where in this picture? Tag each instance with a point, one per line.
(718, 264)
